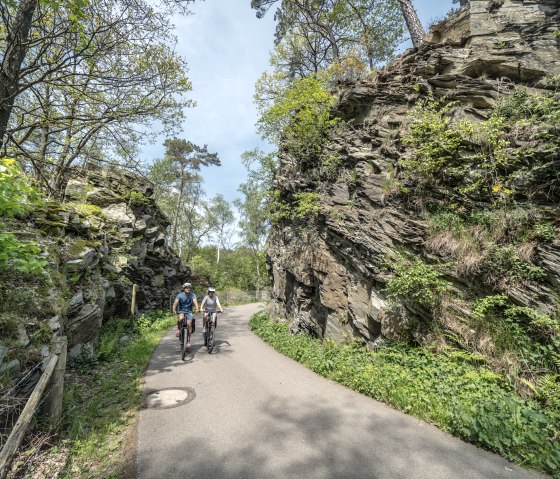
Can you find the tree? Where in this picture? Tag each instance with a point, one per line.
(359, 8)
(187, 159)
(254, 207)
(91, 84)
(179, 191)
(312, 35)
(222, 216)
(413, 23)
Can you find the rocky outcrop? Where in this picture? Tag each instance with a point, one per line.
(112, 235)
(330, 272)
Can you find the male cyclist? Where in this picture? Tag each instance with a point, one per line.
(183, 306)
(209, 305)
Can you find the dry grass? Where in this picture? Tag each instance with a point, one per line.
(526, 251)
(39, 460)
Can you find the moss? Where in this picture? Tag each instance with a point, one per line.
(80, 245)
(137, 198)
(86, 209)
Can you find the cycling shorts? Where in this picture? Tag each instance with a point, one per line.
(188, 314)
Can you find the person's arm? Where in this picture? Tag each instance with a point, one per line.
(219, 305)
(203, 303)
(195, 301)
(175, 303)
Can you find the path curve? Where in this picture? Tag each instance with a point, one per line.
(257, 414)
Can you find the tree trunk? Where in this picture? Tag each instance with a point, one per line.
(176, 220)
(16, 49)
(412, 22)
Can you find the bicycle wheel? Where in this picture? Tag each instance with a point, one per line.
(210, 335)
(184, 343)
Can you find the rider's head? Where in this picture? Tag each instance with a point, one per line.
(211, 290)
(187, 286)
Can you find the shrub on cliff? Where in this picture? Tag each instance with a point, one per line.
(300, 118)
(513, 153)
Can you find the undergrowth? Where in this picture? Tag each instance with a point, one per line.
(451, 389)
(103, 394)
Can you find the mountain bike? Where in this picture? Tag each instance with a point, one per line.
(210, 329)
(184, 335)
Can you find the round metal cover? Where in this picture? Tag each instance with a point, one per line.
(168, 398)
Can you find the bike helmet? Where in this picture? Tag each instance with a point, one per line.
(187, 285)
(211, 290)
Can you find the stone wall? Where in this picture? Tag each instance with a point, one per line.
(328, 272)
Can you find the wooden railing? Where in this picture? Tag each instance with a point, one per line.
(53, 377)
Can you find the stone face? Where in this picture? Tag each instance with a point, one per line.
(328, 272)
(108, 252)
(119, 213)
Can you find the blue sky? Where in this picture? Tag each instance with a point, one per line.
(227, 48)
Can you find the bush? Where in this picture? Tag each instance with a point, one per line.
(417, 281)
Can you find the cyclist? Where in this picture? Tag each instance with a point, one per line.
(209, 305)
(183, 306)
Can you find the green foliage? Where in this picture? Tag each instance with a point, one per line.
(504, 261)
(417, 281)
(494, 238)
(16, 198)
(481, 407)
(137, 198)
(521, 332)
(304, 205)
(510, 153)
(235, 270)
(300, 118)
(85, 209)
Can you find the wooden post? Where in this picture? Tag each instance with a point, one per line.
(133, 304)
(19, 430)
(53, 401)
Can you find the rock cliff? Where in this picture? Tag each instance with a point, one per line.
(331, 272)
(108, 234)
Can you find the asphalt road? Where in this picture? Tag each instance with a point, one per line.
(257, 414)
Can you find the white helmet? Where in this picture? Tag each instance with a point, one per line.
(187, 285)
(211, 290)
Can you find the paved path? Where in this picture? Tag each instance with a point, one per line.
(258, 414)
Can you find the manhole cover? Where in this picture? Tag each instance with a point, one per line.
(168, 398)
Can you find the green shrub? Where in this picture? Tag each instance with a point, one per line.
(17, 197)
(301, 119)
(483, 159)
(504, 262)
(417, 281)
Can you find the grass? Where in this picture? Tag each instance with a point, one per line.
(101, 399)
(480, 407)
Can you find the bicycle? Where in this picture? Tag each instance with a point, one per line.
(210, 328)
(185, 336)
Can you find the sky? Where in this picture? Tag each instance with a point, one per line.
(227, 48)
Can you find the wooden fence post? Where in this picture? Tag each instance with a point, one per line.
(53, 401)
(22, 423)
(133, 304)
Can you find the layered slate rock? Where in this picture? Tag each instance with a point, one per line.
(114, 237)
(328, 272)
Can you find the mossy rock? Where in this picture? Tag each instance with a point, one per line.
(86, 209)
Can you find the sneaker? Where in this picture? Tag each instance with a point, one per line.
(204, 330)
